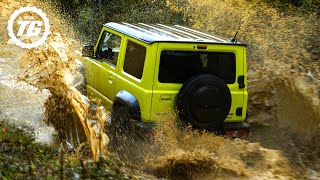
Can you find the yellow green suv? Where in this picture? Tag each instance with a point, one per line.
(145, 72)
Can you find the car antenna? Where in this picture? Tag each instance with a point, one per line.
(234, 40)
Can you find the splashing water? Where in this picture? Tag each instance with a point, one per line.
(185, 153)
(50, 67)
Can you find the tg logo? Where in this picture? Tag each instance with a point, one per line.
(30, 26)
(32, 30)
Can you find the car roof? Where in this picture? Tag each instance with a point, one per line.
(151, 33)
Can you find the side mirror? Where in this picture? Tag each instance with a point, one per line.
(88, 51)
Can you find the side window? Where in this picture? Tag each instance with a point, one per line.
(134, 59)
(109, 48)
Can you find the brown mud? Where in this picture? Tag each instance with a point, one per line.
(50, 68)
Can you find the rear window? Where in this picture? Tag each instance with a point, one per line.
(179, 66)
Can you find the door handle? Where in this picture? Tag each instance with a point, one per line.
(110, 79)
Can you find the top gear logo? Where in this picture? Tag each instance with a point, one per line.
(29, 25)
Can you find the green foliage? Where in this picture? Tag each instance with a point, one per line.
(21, 157)
(89, 16)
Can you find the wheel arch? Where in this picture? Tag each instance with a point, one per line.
(126, 99)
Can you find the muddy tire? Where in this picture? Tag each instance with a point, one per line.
(121, 135)
(204, 101)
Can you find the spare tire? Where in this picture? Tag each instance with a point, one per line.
(204, 101)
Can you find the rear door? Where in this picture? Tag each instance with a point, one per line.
(179, 62)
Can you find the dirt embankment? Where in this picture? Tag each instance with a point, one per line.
(284, 69)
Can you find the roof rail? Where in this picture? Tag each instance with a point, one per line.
(182, 32)
(153, 27)
(195, 31)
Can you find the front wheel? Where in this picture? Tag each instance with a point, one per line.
(120, 119)
(125, 138)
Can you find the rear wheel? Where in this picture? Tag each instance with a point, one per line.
(204, 101)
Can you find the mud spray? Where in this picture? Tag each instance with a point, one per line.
(278, 105)
(52, 67)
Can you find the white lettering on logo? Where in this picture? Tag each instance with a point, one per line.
(32, 29)
(29, 26)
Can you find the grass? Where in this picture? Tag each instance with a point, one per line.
(21, 157)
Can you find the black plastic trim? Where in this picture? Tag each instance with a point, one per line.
(241, 82)
(236, 125)
(239, 111)
(128, 100)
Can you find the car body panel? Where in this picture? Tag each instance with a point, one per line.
(164, 94)
(101, 76)
(139, 88)
(156, 99)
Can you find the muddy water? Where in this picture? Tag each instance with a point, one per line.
(192, 154)
(280, 145)
(52, 68)
(283, 142)
(22, 104)
(284, 113)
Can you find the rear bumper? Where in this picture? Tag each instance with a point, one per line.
(148, 128)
